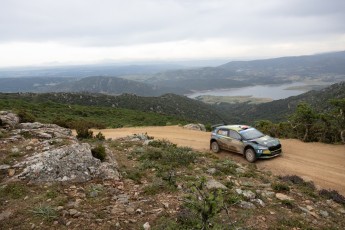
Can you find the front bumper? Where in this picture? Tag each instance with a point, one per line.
(268, 154)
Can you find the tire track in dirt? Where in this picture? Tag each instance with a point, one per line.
(322, 163)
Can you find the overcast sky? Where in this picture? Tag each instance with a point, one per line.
(34, 32)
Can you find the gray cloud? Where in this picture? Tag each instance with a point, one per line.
(113, 23)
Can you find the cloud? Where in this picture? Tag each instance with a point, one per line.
(121, 25)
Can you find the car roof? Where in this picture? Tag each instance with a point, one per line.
(234, 127)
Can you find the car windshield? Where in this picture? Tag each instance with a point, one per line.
(252, 133)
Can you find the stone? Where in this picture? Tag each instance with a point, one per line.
(213, 184)
(4, 167)
(248, 194)
(122, 198)
(198, 127)
(8, 120)
(5, 215)
(211, 171)
(246, 205)
(341, 210)
(66, 163)
(130, 210)
(259, 202)
(267, 193)
(240, 170)
(281, 196)
(11, 172)
(324, 213)
(310, 208)
(147, 226)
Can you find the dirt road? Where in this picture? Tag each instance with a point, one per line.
(322, 163)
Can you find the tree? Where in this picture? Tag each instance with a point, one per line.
(340, 106)
(303, 119)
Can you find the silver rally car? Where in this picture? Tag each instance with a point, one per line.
(245, 140)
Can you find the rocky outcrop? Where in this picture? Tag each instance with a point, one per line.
(68, 163)
(8, 120)
(49, 153)
(198, 127)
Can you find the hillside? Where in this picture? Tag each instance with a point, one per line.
(50, 179)
(279, 110)
(169, 104)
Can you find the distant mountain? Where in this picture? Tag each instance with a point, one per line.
(79, 71)
(114, 86)
(328, 67)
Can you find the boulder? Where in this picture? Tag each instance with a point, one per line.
(73, 163)
(198, 127)
(213, 184)
(8, 120)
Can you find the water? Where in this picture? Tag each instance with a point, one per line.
(274, 92)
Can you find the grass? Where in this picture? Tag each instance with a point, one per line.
(307, 187)
(280, 187)
(13, 191)
(45, 212)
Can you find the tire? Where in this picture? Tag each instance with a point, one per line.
(250, 155)
(215, 147)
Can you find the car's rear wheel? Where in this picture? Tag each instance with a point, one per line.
(215, 147)
(250, 155)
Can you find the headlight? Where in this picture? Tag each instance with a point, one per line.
(260, 147)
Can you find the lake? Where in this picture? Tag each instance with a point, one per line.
(274, 92)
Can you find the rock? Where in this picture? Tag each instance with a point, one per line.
(341, 210)
(72, 212)
(147, 226)
(4, 167)
(198, 127)
(310, 208)
(139, 211)
(239, 191)
(213, 184)
(247, 205)
(248, 194)
(281, 196)
(11, 172)
(267, 193)
(324, 213)
(5, 215)
(240, 170)
(68, 163)
(259, 202)
(211, 171)
(8, 120)
(130, 210)
(122, 198)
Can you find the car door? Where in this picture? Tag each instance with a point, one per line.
(236, 141)
(223, 139)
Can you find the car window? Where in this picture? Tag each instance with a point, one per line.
(251, 134)
(223, 132)
(235, 135)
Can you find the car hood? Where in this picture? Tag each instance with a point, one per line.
(266, 141)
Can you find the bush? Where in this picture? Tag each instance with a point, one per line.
(99, 152)
(25, 116)
(280, 187)
(100, 136)
(333, 195)
(84, 132)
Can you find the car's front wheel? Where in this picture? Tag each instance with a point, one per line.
(250, 155)
(215, 147)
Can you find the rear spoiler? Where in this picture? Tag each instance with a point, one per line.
(217, 125)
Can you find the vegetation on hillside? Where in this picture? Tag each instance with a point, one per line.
(78, 116)
(307, 124)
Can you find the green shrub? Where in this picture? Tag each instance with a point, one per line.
(25, 116)
(99, 152)
(84, 133)
(100, 136)
(280, 187)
